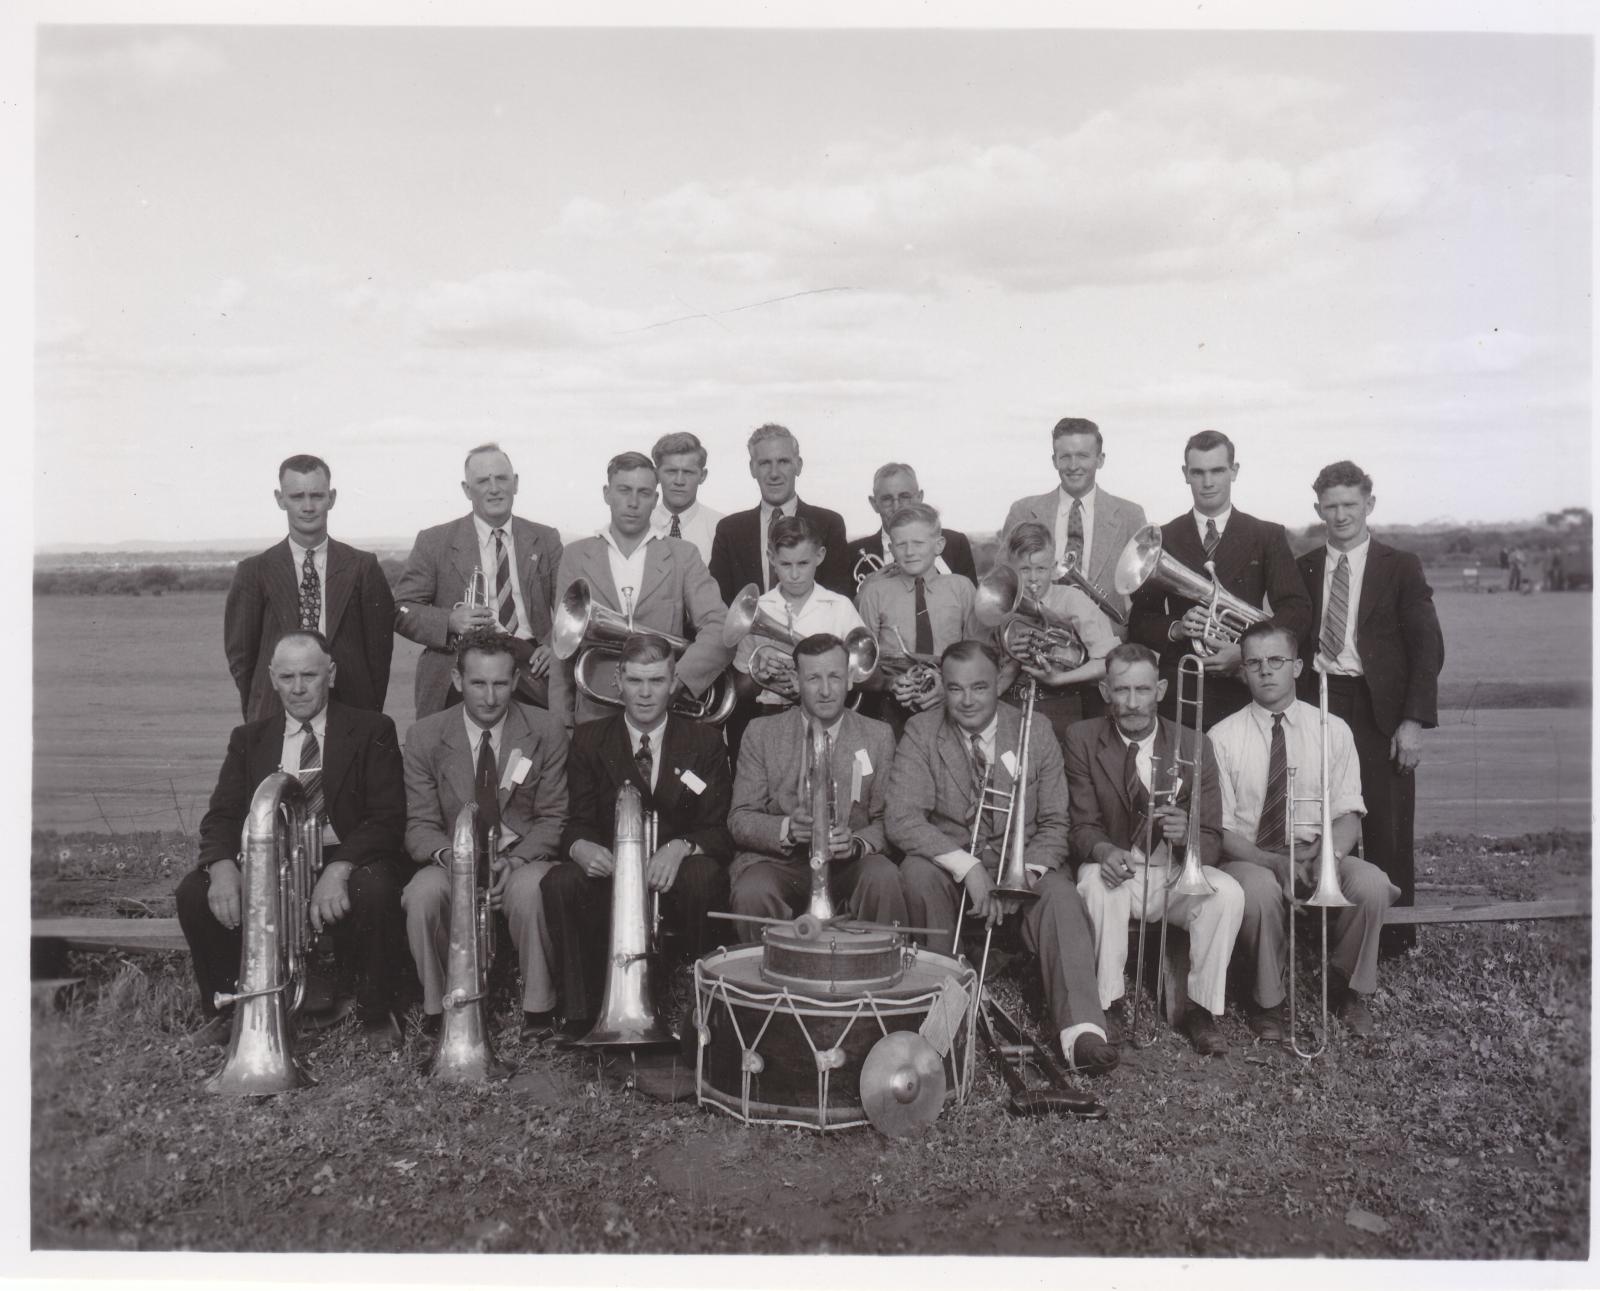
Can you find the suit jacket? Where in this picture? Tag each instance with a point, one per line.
(1115, 521)
(602, 762)
(1397, 635)
(264, 602)
(932, 791)
(441, 777)
(437, 574)
(767, 786)
(957, 553)
(1101, 809)
(1254, 563)
(676, 595)
(736, 551)
(363, 785)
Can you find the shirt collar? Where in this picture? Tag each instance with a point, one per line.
(1066, 499)
(788, 508)
(1264, 716)
(832, 728)
(296, 545)
(986, 736)
(475, 732)
(486, 530)
(635, 734)
(611, 541)
(1221, 520)
(663, 514)
(319, 724)
(1356, 554)
(1148, 742)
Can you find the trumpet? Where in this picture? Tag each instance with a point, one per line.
(464, 1055)
(1227, 616)
(595, 633)
(1030, 632)
(923, 671)
(280, 855)
(1067, 571)
(476, 595)
(819, 789)
(869, 564)
(747, 618)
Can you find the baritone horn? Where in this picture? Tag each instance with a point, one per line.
(1029, 631)
(627, 1017)
(819, 793)
(594, 633)
(1227, 616)
(921, 671)
(464, 1054)
(280, 855)
(747, 618)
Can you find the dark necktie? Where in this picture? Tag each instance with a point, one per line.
(1138, 795)
(980, 774)
(1075, 532)
(310, 773)
(310, 594)
(677, 530)
(1336, 614)
(1272, 833)
(924, 641)
(644, 759)
(1212, 538)
(505, 605)
(485, 784)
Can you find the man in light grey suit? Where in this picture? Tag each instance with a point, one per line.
(512, 761)
(659, 582)
(519, 559)
(771, 819)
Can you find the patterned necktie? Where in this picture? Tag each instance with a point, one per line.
(1336, 613)
(310, 773)
(677, 530)
(924, 641)
(484, 784)
(1273, 832)
(1138, 795)
(506, 607)
(1212, 538)
(645, 761)
(310, 594)
(1075, 532)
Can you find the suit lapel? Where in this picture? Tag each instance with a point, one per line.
(1112, 755)
(597, 571)
(460, 760)
(1377, 570)
(619, 756)
(953, 750)
(337, 754)
(283, 582)
(1103, 541)
(527, 558)
(669, 786)
(657, 565)
(1312, 566)
(341, 579)
(516, 736)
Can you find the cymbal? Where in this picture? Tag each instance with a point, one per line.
(902, 1085)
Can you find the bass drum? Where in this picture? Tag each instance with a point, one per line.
(773, 1055)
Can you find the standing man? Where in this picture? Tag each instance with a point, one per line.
(512, 761)
(348, 761)
(519, 559)
(1253, 562)
(652, 581)
(739, 550)
(947, 754)
(309, 581)
(771, 819)
(1377, 629)
(680, 460)
(894, 485)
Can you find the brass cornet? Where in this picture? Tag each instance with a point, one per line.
(1227, 616)
(1030, 633)
(464, 1055)
(869, 564)
(922, 670)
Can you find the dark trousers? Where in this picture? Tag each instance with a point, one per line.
(1391, 797)
(370, 940)
(774, 888)
(577, 911)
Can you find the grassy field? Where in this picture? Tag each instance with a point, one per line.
(133, 703)
(1460, 1131)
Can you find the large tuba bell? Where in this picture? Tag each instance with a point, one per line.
(1227, 616)
(464, 1055)
(595, 633)
(281, 853)
(627, 1015)
(1030, 632)
(747, 618)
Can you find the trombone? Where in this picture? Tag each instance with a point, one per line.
(1328, 894)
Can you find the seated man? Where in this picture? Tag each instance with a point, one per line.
(1255, 747)
(511, 759)
(348, 759)
(1113, 763)
(680, 767)
(771, 819)
(933, 800)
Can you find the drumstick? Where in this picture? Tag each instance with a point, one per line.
(842, 922)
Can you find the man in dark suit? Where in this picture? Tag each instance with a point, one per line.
(680, 768)
(349, 761)
(894, 485)
(518, 558)
(1374, 621)
(739, 550)
(309, 581)
(1253, 562)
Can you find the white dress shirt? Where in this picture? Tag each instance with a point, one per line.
(1348, 662)
(822, 611)
(475, 736)
(294, 737)
(319, 558)
(1221, 521)
(1243, 745)
(698, 525)
(939, 566)
(767, 510)
(1064, 501)
(489, 563)
(627, 572)
(657, 738)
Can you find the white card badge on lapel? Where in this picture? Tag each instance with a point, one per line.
(693, 783)
(1008, 760)
(860, 769)
(517, 768)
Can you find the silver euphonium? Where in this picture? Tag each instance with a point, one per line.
(1029, 631)
(464, 1054)
(747, 618)
(1227, 616)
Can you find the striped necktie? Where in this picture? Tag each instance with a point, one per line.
(1212, 538)
(1272, 832)
(310, 772)
(1336, 614)
(505, 605)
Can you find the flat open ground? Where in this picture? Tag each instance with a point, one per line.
(133, 704)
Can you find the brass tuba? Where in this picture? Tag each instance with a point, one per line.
(1227, 616)
(280, 854)
(464, 1055)
(747, 618)
(595, 633)
(627, 1016)
(818, 783)
(1029, 632)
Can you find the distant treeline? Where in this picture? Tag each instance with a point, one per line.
(150, 580)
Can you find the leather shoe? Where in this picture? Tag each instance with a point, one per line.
(215, 1034)
(1203, 1033)
(336, 1011)
(1092, 1056)
(1352, 1010)
(538, 1026)
(1267, 1023)
(380, 1032)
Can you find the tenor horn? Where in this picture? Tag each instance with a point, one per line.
(1227, 616)
(280, 854)
(464, 1055)
(1029, 631)
(747, 618)
(627, 1017)
(819, 790)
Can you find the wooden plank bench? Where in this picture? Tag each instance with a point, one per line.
(52, 938)
(1488, 912)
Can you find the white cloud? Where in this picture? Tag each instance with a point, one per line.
(149, 61)
(524, 309)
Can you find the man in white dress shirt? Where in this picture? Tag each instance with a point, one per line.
(680, 460)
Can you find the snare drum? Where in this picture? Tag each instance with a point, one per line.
(772, 1054)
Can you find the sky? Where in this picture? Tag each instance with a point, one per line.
(384, 245)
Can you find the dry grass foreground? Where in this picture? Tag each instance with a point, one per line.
(1461, 1130)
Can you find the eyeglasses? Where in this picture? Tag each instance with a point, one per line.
(1271, 663)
